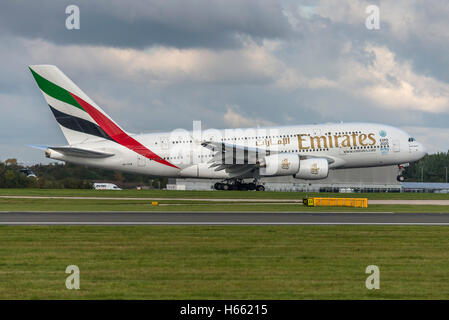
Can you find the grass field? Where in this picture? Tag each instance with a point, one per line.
(190, 204)
(219, 262)
(194, 206)
(213, 194)
(224, 262)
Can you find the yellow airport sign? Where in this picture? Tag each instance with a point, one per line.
(336, 202)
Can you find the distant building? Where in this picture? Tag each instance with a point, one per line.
(432, 187)
(378, 179)
(181, 186)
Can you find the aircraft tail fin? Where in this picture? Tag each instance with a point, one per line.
(80, 119)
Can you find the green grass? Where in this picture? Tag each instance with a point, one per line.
(224, 262)
(194, 206)
(213, 194)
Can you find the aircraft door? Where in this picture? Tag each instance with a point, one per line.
(164, 143)
(396, 146)
(141, 161)
(190, 155)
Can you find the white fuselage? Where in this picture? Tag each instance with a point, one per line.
(347, 145)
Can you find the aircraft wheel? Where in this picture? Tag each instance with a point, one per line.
(218, 186)
(260, 188)
(251, 186)
(400, 178)
(226, 187)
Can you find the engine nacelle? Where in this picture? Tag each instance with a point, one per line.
(312, 169)
(280, 165)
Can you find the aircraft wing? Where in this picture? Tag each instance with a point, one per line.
(235, 159)
(239, 160)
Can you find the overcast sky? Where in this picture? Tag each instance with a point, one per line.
(158, 65)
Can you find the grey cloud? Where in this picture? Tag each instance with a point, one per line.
(208, 23)
(422, 38)
(314, 49)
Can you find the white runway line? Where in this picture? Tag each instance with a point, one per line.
(110, 223)
(411, 202)
(213, 212)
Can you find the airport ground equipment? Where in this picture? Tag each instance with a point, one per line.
(336, 202)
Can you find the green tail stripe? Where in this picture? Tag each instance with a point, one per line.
(55, 91)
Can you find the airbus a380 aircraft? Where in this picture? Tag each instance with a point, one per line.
(304, 152)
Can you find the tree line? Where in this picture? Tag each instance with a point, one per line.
(66, 175)
(431, 168)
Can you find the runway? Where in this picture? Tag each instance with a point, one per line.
(221, 218)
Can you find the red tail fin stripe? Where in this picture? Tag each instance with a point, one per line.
(118, 135)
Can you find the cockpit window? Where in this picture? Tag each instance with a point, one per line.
(411, 139)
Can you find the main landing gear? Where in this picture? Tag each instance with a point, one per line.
(238, 184)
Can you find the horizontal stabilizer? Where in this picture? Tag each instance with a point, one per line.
(83, 153)
(40, 147)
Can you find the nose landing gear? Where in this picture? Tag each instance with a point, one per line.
(401, 167)
(238, 184)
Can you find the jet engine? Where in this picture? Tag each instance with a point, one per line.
(290, 164)
(312, 169)
(279, 165)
